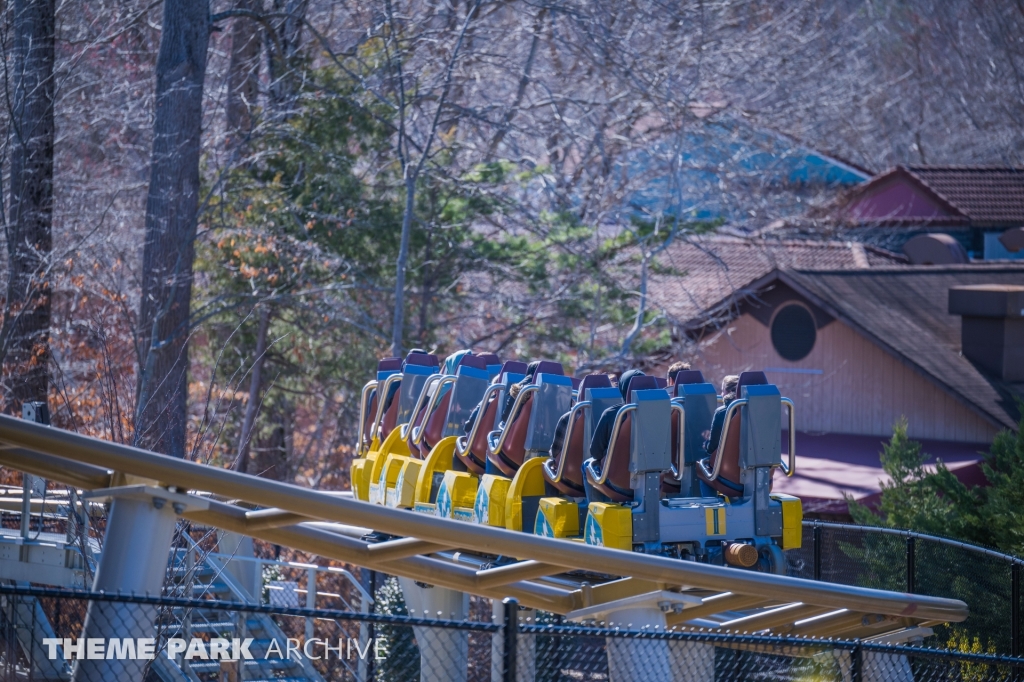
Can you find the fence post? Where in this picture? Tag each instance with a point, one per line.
(817, 551)
(856, 662)
(1015, 609)
(510, 631)
(911, 564)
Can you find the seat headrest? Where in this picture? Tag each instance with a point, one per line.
(576, 381)
(489, 358)
(661, 382)
(513, 367)
(689, 376)
(422, 359)
(547, 367)
(474, 361)
(594, 381)
(750, 379)
(641, 383)
(389, 365)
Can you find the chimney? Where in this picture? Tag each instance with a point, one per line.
(992, 327)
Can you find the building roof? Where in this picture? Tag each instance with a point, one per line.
(706, 275)
(986, 195)
(905, 311)
(976, 196)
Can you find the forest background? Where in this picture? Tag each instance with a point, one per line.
(218, 215)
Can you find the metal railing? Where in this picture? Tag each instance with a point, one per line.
(917, 563)
(510, 644)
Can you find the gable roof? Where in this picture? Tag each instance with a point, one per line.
(710, 274)
(905, 311)
(978, 196)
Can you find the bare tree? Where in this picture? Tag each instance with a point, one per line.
(252, 404)
(171, 215)
(24, 339)
(407, 144)
(243, 73)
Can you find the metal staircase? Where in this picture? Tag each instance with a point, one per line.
(56, 559)
(208, 578)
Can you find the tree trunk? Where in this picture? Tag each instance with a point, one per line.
(245, 442)
(243, 73)
(398, 324)
(171, 213)
(284, 56)
(24, 345)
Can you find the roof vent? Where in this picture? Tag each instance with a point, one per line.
(935, 249)
(992, 327)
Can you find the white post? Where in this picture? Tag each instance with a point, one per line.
(655, 660)
(134, 561)
(444, 652)
(364, 631)
(526, 646)
(310, 600)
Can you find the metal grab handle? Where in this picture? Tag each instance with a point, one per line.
(606, 466)
(520, 399)
(435, 400)
(462, 443)
(432, 379)
(677, 471)
(576, 409)
(729, 411)
(364, 405)
(381, 399)
(791, 469)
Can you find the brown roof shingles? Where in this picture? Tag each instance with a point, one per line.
(990, 196)
(704, 272)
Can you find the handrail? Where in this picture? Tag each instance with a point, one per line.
(33, 446)
(364, 399)
(432, 379)
(903, 533)
(462, 443)
(516, 406)
(606, 466)
(791, 469)
(578, 407)
(435, 400)
(677, 471)
(381, 399)
(729, 411)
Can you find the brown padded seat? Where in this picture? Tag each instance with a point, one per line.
(513, 450)
(616, 487)
(572, 474)
(728, 481)
(435, 425)
(510, 457)
(390, 417)
(475, 457)
(669, 484)
(434, 430)
(371, 414)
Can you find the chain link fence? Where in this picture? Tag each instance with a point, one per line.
(904, 561)
(50, 634)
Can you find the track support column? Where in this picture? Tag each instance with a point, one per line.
(655, 660)
(136, 547)
(444, 652)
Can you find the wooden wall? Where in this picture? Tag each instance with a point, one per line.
(862, 389)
